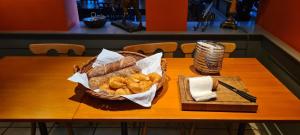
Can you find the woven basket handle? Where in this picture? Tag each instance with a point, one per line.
(164, 64)
(76, 68)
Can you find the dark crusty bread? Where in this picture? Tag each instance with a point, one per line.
(111, 67)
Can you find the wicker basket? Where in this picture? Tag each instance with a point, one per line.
(208, 58)
(103, 95)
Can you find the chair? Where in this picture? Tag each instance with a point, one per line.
(188, 48)
(60, 48)
(168, 48)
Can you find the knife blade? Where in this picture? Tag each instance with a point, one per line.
(239, 92)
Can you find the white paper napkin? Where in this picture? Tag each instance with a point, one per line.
(144, 98)
(80, 78)
(201, 88)
(147, 65)
(107, 56)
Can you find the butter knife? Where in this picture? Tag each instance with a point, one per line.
(241, 93)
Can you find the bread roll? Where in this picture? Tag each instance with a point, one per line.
(95, 82)
(154, 77)
(138, 77)
(111, 67)
(123, 91)
(117, 82)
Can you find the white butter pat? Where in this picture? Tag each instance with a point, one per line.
(201, 88)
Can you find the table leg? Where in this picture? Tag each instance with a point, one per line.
(69, 128)
(33, 128)
(143, 130)
(193, 128)
(124, 128)
(43, 128)
(241, 129)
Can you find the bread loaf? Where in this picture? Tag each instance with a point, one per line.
(111, 67)
(95, 82)
(215, 83)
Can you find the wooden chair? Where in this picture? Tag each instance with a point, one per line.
(60, 48)
(188, 48)
(168, 48)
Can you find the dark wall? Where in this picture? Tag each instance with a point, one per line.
(281, 64)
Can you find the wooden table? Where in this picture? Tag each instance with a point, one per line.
(276, 102)
(36, 89)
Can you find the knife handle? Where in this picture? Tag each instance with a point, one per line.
(246, 95)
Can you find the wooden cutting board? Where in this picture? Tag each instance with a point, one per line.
(226, 100)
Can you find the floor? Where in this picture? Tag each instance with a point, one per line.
(112, 128)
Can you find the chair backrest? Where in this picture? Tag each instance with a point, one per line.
(61, 48)
(168, 48)
(188, 48)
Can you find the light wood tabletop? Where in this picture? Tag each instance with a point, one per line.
(276, 102)
(36, 88)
